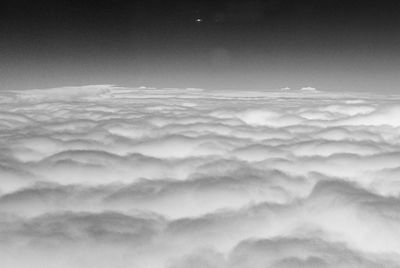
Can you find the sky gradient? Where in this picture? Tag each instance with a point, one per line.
(331, 44)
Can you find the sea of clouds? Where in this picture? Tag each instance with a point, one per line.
(105, 176)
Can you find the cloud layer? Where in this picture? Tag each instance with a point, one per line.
(105, 176)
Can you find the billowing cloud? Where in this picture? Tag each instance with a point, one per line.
(105, 176)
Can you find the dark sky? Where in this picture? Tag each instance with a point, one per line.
(329, 44)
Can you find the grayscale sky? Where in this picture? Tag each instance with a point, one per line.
(250, 44)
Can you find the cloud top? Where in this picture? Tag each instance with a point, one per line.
(107, 176)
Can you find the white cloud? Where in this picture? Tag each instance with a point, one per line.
(105, 176)
(309, 89)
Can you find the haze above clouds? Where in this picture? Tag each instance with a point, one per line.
(106, 176)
